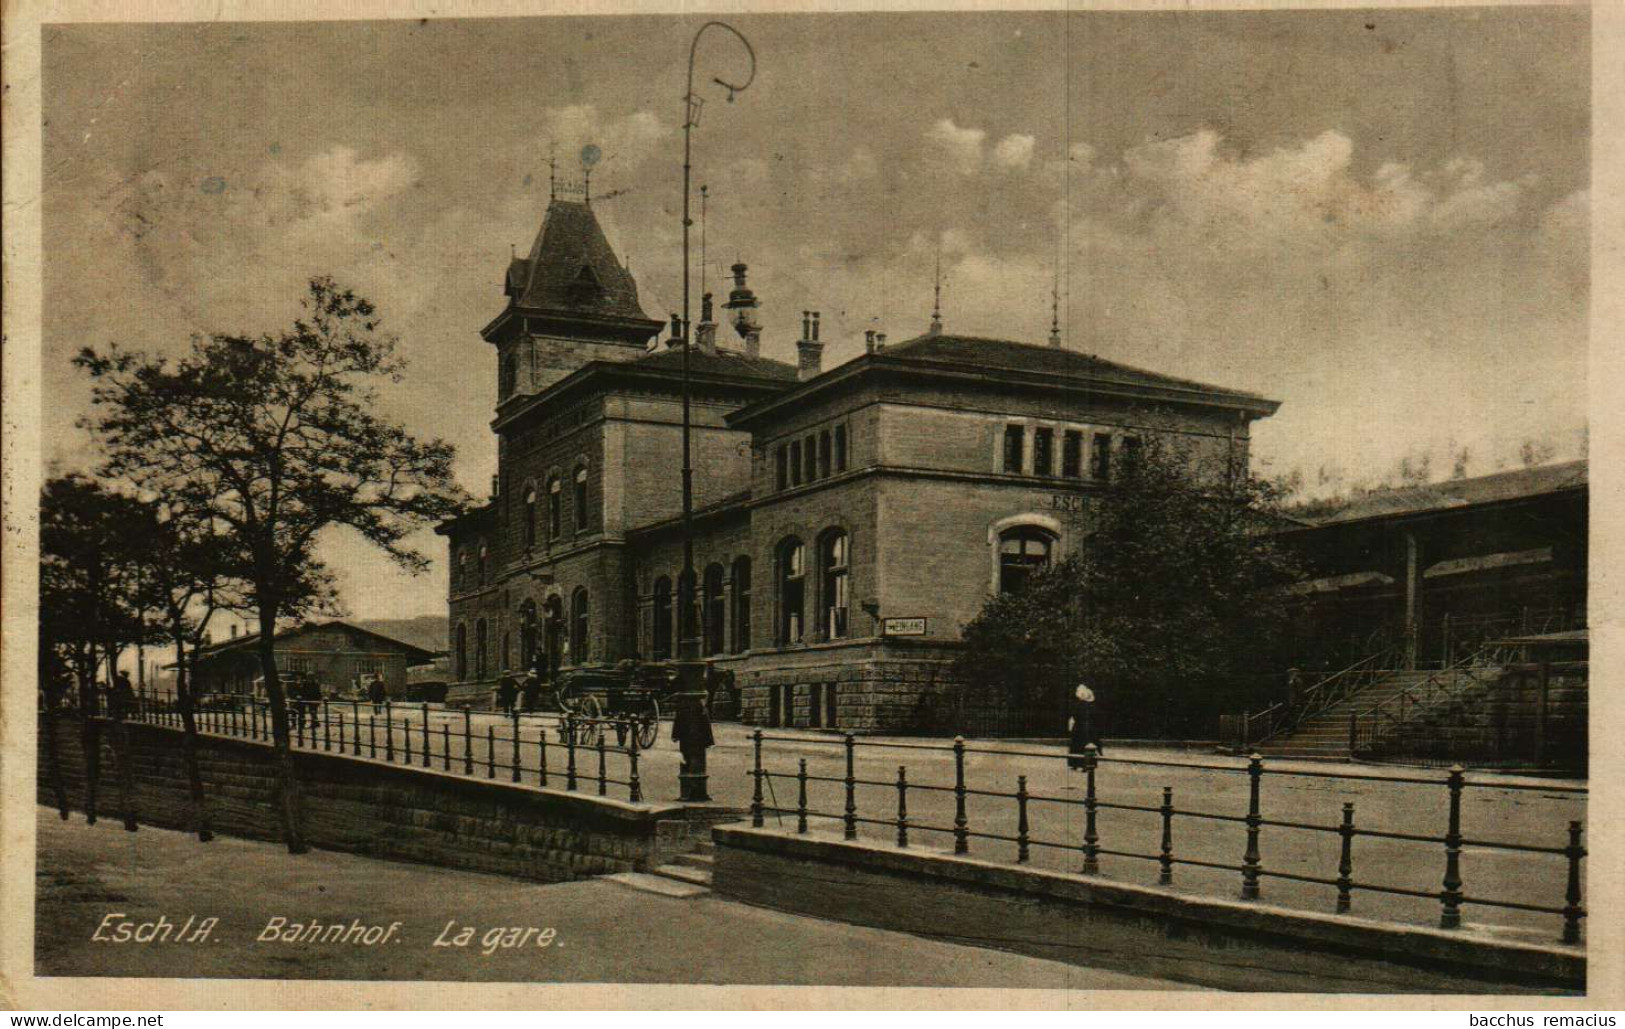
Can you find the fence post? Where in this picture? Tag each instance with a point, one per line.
(389, 733)
(603, 785)
(445, 746)
(801, 797)
(850, 821)
(1450, 917)
(490, 751)
(756, 774)
(634, 786)
(569, 751)
(406, 741)
(961, 823)
(902, 806)
(372, 736)
(1022, 848)
(1572, 913)
(1345, 863)
(327, 722)
(1166, 859)
(425, 735)
(1091, 838)
(516, 744)
(1249, 860)
(468, 743)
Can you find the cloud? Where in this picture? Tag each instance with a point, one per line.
(626, 141)
(962, 147)
(1014, 151)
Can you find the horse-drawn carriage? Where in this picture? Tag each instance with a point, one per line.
(629, 701)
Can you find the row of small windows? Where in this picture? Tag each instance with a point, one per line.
(545, 642)
(555, 508)
(463, 575)
(833, 573)
(723, 619)
(818, 456)
(1071, 456)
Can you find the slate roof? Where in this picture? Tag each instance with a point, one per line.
(571, 268)
(730, 363)
(1458, 493)
(1009, 355)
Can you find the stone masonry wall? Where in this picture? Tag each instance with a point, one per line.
(369, 807)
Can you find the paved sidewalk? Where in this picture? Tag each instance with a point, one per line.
(605, 932)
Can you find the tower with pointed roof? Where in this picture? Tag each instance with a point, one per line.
(570, 301)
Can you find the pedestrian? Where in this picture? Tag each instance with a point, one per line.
(376, 693)
(1294, 689)
(1081, 726)
(312, 693)
(530, 691)
(507, 692)
(122, 699)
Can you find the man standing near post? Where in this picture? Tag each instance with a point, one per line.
(691, 729)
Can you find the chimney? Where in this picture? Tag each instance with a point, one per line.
(880, 341)
(869, 341)
(753, 343)
(676, 339)
(705, 334)
(809, 352)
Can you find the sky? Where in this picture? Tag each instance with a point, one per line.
(1378, 218)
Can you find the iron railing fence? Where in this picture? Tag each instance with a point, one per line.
(1091, 847)
(579, 756)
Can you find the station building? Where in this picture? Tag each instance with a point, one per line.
(847, 521)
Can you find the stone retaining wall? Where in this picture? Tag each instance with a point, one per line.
(1091, 921)
(371, 807)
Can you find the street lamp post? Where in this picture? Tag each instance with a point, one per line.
(690, 670)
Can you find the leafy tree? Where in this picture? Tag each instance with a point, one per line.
(1173, 608)
(271, 441)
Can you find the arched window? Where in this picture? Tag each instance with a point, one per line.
(579, 500)
(833, 556)
(527, 635)
(792, 568)
(555, 508)
(688, 609)
(1024, 551)
(479, 650)
(578, 626)
(741, 619)
(660, 641)
(460, 653)
(504, 655)
(530, 516)
(716, 606)
(484, 554)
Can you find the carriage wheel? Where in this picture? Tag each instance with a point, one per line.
(589, 731)
(649, 725)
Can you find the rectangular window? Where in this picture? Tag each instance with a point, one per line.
(1043, 451)
(823, 454)
(1072, 454)
(840, 448)
(810, 452)
(1100, 461)
(795, 463)
(784, 468)
(1014, 442)
(369, 666)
